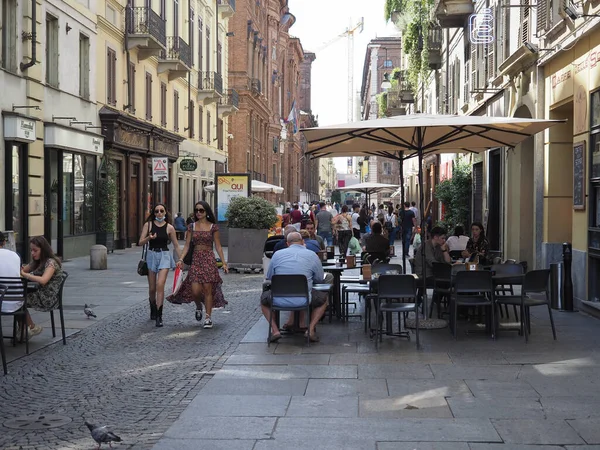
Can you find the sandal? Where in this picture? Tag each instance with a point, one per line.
(199, 315)
(313, 337)
(275, 338)
(288, 328)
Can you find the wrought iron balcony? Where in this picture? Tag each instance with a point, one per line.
(254, 86)
(435, 48)
(146, 31)
(226, 7)
(453, 13)
(176, 59)
(210, 87)
(229, 103)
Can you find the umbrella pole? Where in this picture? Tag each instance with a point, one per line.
(423, 233)
(404, 255)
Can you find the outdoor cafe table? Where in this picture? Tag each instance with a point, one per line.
(337, 275)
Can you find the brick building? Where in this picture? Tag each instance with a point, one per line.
(264, 67)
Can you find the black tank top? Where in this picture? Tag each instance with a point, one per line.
(162, 238)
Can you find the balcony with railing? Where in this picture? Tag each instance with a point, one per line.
(176, 60)
(210, 87)
(435, 48)
(146, 31)
(229, 103)
(226, 7)
(453, 13)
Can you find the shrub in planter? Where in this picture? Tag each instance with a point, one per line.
(107, 205)
(249, 219)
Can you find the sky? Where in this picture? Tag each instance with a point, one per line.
(318, 22)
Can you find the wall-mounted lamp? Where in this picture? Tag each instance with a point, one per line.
(230, 34)
(63, 118)
(386, 83)
(68, 28)
(80, 122)
(25, 107)
(572, 12)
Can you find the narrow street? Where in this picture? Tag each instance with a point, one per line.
(121, 371)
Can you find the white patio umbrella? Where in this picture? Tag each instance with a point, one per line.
(256, 186)
(416, 135)
(368, 188)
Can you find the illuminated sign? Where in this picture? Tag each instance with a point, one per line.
(481, 27)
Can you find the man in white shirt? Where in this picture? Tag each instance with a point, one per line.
(10, 263)
(355, 225)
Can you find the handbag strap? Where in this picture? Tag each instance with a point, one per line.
(145, 246)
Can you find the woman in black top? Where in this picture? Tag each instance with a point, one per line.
(157, 232)
(478, 244)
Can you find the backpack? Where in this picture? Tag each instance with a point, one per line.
(305, 218)
(388, 223)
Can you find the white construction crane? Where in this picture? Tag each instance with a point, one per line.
(353, 29)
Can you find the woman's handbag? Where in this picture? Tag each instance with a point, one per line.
(142, 269)
(187, 259)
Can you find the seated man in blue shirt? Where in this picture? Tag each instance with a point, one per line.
(283, 243)
(297, 260)
(311, 244)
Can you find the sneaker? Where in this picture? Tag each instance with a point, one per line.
(34, 331)
(208, 322)
(199, 315)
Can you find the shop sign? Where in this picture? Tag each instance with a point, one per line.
(481, 27)
(160, 169)
(57, 136)
(188, 165)
(19, 129)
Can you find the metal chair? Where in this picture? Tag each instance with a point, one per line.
(534, 282)
(396, 287)
(442, 285)
(59, 306)
(270, 245)
(473, 288)
(507, 289)
(16, 296)
(377, 269)
(3, 290)
(289, 286)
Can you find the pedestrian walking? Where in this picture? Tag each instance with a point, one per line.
(203, 282)
(157, 232)
(343, 222)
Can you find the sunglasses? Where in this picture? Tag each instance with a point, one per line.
(159, 211)
(200, 210)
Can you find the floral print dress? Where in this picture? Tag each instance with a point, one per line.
(203, 269)
(46, 297)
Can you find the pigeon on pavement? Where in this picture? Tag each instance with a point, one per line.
(88, 312)
(102, 435)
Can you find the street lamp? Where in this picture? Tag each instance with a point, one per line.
(386, 83)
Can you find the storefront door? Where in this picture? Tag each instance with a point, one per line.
(53, 218)
(16, 202)
(134, 201)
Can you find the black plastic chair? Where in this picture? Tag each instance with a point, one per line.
(442, 285)
(289, 286)
(507, 289)
(377, 269)
(3, 290)
(270, 244)
(473, 288)
(375, 258)
(396, 287)
(59, 306)
(534, 282)
(17, 292)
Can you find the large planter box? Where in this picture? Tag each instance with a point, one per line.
(106, 239)
(245, 248)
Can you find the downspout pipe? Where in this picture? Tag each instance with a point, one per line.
(129, 23)
(26, 66)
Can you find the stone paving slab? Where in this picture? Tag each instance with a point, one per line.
(572, 407)
(490, 389)
(282, 372)
(563, 386)
(257, 387)
(340, 348)
(188, 426)
(340, 387)
(422, 446)
(455, 430)
(216, 405)
(323, 407)
(404, 407)
(207, 444)
(269, 359)
(391, 358)
(497, 408)
(515, 447)
(416, 389)
(478, 372)
(588, 429)
(310, 443)
(394, 371)
(536, 432)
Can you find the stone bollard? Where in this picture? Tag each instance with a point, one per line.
(98, 257)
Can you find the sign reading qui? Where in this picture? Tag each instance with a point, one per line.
(160, 169)
(229, 186)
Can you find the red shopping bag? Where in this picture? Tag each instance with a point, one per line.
(178, 280)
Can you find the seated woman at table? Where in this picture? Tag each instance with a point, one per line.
(478, 246)
(46, 270)
(458, 241)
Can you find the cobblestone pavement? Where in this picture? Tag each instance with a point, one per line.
(124, 372)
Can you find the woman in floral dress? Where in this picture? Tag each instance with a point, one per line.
(203, 282)
(44, 269)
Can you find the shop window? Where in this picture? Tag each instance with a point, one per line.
(79, 184)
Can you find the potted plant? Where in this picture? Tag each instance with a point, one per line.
(107, 205)
(249, 220)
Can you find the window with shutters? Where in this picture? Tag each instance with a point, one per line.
(219, 57)
(200, 43)
(148, 96)
(524, 27)
(84, 66)
(51, 50)
(131, 86)
(176, 18)
(542, 16)
(111, 77)
(191, 28)
(207, 43)
(163, 9)
(200, 123)
(558, 10)
(474, 79)
(208, 128)
(191, 110)
(220, 136)
(163, 104)
(176, 110)
(490, 62)
(9, 35)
